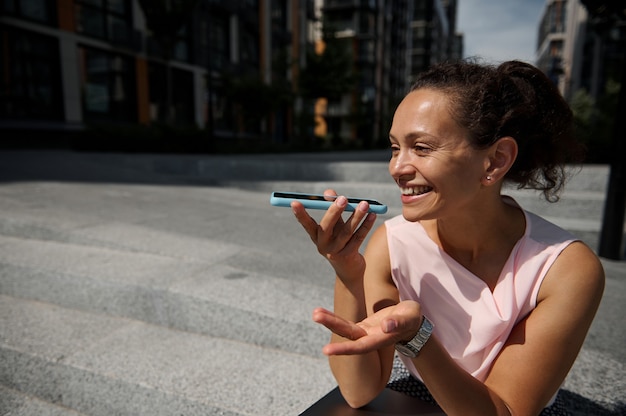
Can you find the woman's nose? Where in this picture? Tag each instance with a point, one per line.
(400, 164)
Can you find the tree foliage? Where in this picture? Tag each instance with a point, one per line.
(329, 74)
(253, 100)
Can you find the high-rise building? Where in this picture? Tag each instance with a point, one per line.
(229, 66)
(72, 63)
(393, 41)
(573, 53)
(567, 51)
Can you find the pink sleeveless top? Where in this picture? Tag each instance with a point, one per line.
(471, 322)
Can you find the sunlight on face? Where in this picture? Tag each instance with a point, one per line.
(432, 160)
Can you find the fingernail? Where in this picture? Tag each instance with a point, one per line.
(390, 325)
(341, 201)
(363, 206)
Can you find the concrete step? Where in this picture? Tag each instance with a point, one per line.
(579, 212)
(120, 297)
(205, 297)
(102, 365)
(365, 174)
(76, 258)
(366, 167)
(16, 403)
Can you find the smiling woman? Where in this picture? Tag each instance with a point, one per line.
(466, 299)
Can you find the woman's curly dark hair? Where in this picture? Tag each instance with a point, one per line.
(512, 99)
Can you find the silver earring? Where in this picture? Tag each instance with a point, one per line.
(488, 177)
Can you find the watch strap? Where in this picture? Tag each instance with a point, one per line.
(414, 346)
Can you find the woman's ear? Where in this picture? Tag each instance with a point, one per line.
(502, 155)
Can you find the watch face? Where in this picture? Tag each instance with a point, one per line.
(413, 347)
(406, 350)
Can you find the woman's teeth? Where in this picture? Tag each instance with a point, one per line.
(418, 190)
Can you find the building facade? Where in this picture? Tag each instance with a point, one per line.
(70, 63)
(572, 53)
(392, 42)
(566, 51)
(228, 66)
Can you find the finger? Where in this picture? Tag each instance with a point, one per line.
(330, 194)
(320, 313)
(332, 218)
(338, 325)
(361, 345)
(357, 216)
(303, 217)
(363, 219)
(404, 322)
(358, 237)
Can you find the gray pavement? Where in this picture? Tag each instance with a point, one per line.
(161, 285)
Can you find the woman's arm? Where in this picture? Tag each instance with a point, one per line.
(538, 353)
(362, 377)
(531, 366)
(542, 349)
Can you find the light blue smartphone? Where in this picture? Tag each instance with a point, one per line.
(317, 201)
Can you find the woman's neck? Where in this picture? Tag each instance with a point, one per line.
(481, 240)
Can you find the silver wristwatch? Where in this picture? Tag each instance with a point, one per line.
(413, 347)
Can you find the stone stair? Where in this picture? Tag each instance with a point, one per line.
(105, 313)
(135, 298)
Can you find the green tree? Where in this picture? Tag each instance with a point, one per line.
(329, 74)
(253, 100)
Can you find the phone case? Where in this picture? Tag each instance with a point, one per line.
(316, 201)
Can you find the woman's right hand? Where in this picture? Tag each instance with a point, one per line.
(336, 239)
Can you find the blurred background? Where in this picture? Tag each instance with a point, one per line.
(274, 75)
(251, 76)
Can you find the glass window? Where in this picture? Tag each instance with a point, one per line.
(104, 19)
(90, 21)
(38, 10)
(108, 86)
(181, 47)
(116, 6)
(218, 40)
(34, 9)
(30, 70)
(118, 29)
(180, 51)
(181, 107)
(366, 23)
(249, 52)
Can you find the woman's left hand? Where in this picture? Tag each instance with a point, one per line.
(386, 327)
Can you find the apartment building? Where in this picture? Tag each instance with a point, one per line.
(220, 65)
(392, 42)
(566, 51)
(572, 52)
(70, 63)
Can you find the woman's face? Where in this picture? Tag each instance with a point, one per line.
(439, 173)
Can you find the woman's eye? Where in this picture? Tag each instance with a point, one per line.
(421, 149)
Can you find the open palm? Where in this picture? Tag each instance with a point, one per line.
(381, 329)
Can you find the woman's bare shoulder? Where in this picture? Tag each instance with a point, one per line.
(577, 272)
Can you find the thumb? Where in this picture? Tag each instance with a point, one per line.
(389, 325)
(404, 329)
